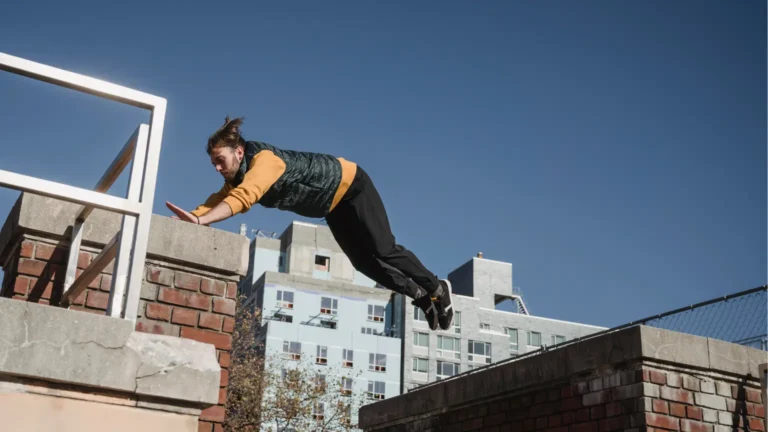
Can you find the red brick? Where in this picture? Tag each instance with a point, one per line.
(660, 406)
(204, 427)
(214, 287)
(219, 340)
(569, 418)
(756, 424)
(231, 290)
(213, 414)
(158, 311)
(552, 429)
(598, 412)
(187, 281)
(615, 423)
(677, 410)
(586, 427)
(160, 276)
(84, 260)
(210, 321)
(760, 411)
(31, 267)
(27, 247)
(694, 413)
(224, 306)
(676, 395)
(222, 395)
(224, 359)
(224, 378)
(50, 253)
(694, 426)
(658, 377)
(80, 300)
(229, 325)
(218, 428)
(155, 327)
(47, 292)
(555, 420)
(97, 300)
(582, 415)
(184, 316)
(754, 395)
(570, 404)
(567, 392)
(180, 298)
(21, 285)
(662, 421)
(106, 283)
(613, 409)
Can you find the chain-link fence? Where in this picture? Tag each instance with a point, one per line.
(740, 318)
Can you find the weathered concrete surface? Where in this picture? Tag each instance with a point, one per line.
(34, 412)
(601, 353)
(169, 239)
(60, 345)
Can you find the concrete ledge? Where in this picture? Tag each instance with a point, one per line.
(67, 346)
(169, 239)
(609, 351)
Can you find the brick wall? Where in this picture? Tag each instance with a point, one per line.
(636, 379)
(175, 300)
(641, 398)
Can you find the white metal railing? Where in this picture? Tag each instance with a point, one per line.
(129, 245)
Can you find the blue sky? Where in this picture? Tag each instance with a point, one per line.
(614, 152)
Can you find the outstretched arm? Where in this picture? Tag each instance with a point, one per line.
(263, 172)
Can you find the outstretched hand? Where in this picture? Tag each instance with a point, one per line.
(182, 214)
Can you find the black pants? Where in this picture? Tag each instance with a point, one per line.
(360, 226)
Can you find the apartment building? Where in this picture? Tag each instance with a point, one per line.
(317, 309)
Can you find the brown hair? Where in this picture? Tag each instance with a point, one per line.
(228, 135)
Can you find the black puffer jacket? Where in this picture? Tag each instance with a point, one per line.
(306, 187)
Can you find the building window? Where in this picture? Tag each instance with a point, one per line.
(318, 410)
(292, 350)
(420, 365)
(446, 369)
(376, 389)
(320, 382)
(512, 333)
(322, 263)
(375, 313)
(283, 317)
(485, 326)
(420, 339)
(329, 306)
(557, 339)
(285, 299)
(377, 362)
(328, 324)
(346, 386)
(418, 314)
(534, 339)
(479, 352)
(457, 322)
(322, 355)
(368, 330)
(449, 347)
(347, 358)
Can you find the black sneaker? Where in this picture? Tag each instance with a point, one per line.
(427, 306)
(444, 306)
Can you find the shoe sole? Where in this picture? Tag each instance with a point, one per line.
(449, 289)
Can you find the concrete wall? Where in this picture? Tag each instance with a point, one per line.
(189, 283)
(483, 279)
(635, 379)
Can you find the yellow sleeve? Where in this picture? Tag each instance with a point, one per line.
(263, 172)
(211, 202)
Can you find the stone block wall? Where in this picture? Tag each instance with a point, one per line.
(639, 379)
(188, 289)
